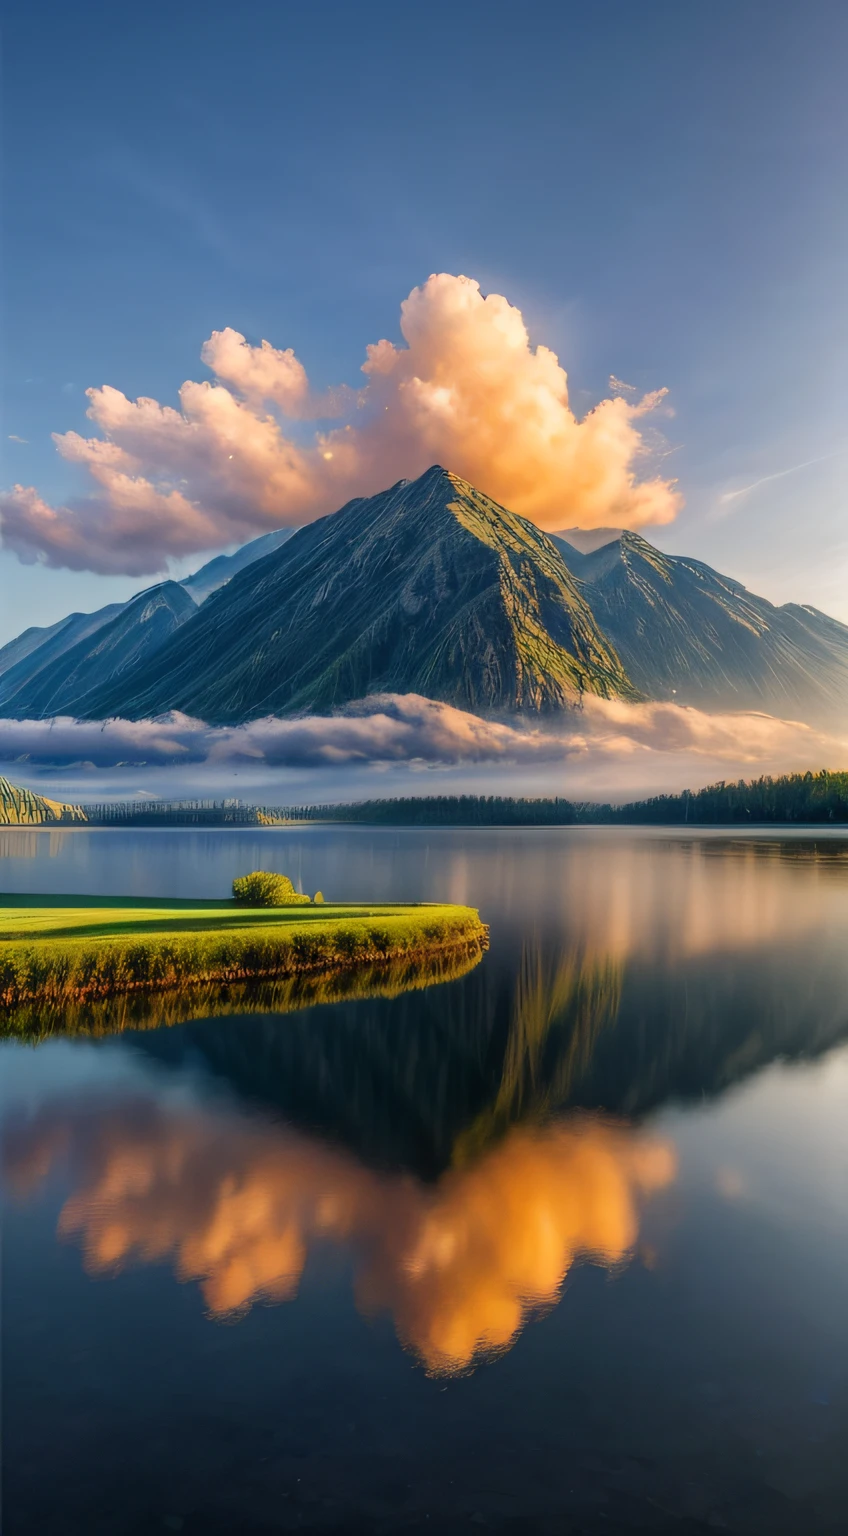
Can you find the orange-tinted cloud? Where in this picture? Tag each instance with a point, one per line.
(466, 390)
(235, 1207)
(409, 729)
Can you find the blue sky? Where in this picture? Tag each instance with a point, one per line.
(661, 190)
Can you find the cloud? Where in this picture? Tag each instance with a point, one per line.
(656, 745)
(236, 1207)
(467, 390)
(13, 438)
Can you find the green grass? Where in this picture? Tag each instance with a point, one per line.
(75, 949)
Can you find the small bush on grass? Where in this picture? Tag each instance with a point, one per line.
(262, 888)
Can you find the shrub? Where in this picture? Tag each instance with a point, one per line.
(262, 888)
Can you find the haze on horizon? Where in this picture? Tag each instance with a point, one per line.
(656, 197)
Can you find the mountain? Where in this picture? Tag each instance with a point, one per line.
(429, 587)
(686, 633)
(216, 573)
(34, 654)
(59, 684)
(36, 649)
(23, 808)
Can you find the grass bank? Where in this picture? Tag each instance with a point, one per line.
(81, 949)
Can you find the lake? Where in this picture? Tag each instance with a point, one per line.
(557, 1246)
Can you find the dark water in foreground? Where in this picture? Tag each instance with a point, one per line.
(559, 1246)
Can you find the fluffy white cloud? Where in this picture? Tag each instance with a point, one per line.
(407, 729)
(467, 390)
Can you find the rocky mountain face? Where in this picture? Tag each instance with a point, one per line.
(687, 634)
(428, 588)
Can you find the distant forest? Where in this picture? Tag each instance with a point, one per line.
(796, 798)
(461, 811)
(792, 798)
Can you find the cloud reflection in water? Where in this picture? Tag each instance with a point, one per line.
(236, 1205)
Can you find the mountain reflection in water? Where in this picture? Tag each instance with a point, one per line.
(236, 1205)
(646, 1074)
(420, 1133)
(433, 1078)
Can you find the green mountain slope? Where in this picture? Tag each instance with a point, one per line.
(61, 684)
(38, 650)
(428, 588)
(687, 633)
(23, 808)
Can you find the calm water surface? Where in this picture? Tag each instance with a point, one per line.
(557, 1246)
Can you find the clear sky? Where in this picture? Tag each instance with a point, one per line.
(661, 191)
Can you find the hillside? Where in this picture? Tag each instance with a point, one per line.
(31, 666)
(38, 649)
(428, 588)
(23, 808)
(687, 633)
(59, 684)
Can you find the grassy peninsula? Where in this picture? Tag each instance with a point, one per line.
(70, 950)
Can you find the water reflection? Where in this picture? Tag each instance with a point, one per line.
(434, 1078)
(454, 1149)
(668, 898)
(237, 1205)
(34, 842)
(142, 1010)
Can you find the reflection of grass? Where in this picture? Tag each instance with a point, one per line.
(52, 955)
(36, 1020)
(559, 1010)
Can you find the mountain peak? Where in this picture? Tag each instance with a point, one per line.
(429, 587)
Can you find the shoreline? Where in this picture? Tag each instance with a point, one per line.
(70, 965)
(30, 1022)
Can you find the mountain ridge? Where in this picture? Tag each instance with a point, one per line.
(430, 587)
(34, 668)
(433, 588)
(222, 568)
(63, 682)
(687, 633)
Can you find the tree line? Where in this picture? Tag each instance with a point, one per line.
(803, 798)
